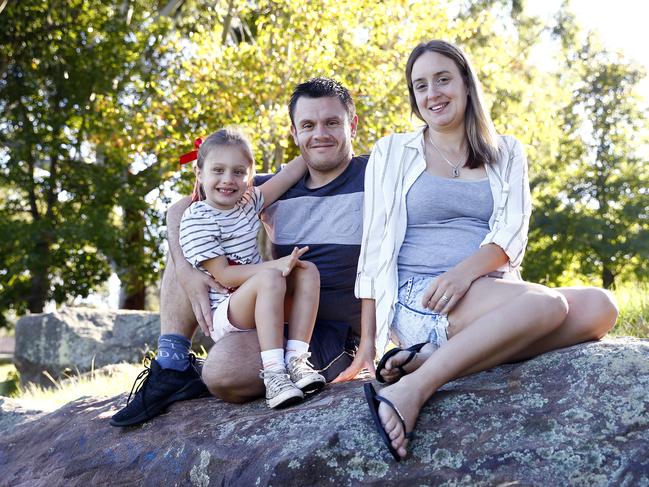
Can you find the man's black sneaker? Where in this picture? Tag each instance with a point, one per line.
(156, 388)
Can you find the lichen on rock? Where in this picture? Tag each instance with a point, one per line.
(576, 416)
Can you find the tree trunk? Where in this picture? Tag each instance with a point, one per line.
(133, 293)
(40, 281)
(131, 297)
(608, 278)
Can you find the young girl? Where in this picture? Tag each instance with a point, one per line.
(218, 236)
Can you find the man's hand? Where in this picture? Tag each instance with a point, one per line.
(196, 285)
(364, 359)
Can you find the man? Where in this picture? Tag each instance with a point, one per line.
(324, 211)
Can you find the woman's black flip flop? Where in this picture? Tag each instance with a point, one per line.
(373, 401)
(391, 353)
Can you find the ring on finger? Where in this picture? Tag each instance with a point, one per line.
(445, 298)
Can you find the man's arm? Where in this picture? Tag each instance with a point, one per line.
(195, 283)
(366, 349)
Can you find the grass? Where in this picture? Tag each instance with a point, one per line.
(633, 320)
(633, 303)
(107, 382)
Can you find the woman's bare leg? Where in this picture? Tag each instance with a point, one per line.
(592, 313)
(486, 329)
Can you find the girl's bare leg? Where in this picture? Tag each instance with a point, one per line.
(259, 303)
(303, 299)
(511, 319)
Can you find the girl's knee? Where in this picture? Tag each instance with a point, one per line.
(308, 275)
(270, 279)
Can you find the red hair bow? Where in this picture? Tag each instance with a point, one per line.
(193, 155)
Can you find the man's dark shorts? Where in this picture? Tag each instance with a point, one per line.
(333, 347)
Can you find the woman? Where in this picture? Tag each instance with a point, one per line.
(445, 225)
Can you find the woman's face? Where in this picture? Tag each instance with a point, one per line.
(440, 91)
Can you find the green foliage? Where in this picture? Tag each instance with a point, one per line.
(97, 100)
(9, 380)
(74, 203)
(593, 218)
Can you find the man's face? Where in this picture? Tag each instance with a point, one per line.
(323, 132)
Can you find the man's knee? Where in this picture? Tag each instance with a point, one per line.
(231, 370)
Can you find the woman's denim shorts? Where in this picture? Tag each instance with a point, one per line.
(412, 322)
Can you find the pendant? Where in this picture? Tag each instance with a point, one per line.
(456, 172)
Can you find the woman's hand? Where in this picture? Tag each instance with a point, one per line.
(446, 290)
(364, 359)
(290, 262)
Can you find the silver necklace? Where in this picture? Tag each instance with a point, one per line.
(456, 167)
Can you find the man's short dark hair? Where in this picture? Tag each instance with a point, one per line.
(321, 87)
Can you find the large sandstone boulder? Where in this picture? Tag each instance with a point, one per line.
(78, 339)
(577, 416)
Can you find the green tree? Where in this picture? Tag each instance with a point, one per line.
(593, 221)
(58, 60)
(607, 201)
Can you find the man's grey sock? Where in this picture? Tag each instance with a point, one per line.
(173, 352)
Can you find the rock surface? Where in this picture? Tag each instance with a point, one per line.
(14, 412)
(78, 339)
(576, 416)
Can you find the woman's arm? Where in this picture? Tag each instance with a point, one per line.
(374, 218)
(284, 179)
(366, 352)
(448, 288)
(504, 243)
(512, 219)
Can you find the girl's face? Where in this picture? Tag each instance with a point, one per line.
(225, 176)
(440, 91)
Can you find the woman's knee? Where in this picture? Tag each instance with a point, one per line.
(602, 311)
(551, 305)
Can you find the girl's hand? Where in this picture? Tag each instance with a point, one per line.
(288, 263)
(445, 291)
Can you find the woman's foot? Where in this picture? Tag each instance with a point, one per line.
(395, 365)
(403, 410)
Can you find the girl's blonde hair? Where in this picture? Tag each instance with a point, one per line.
(228, 136)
